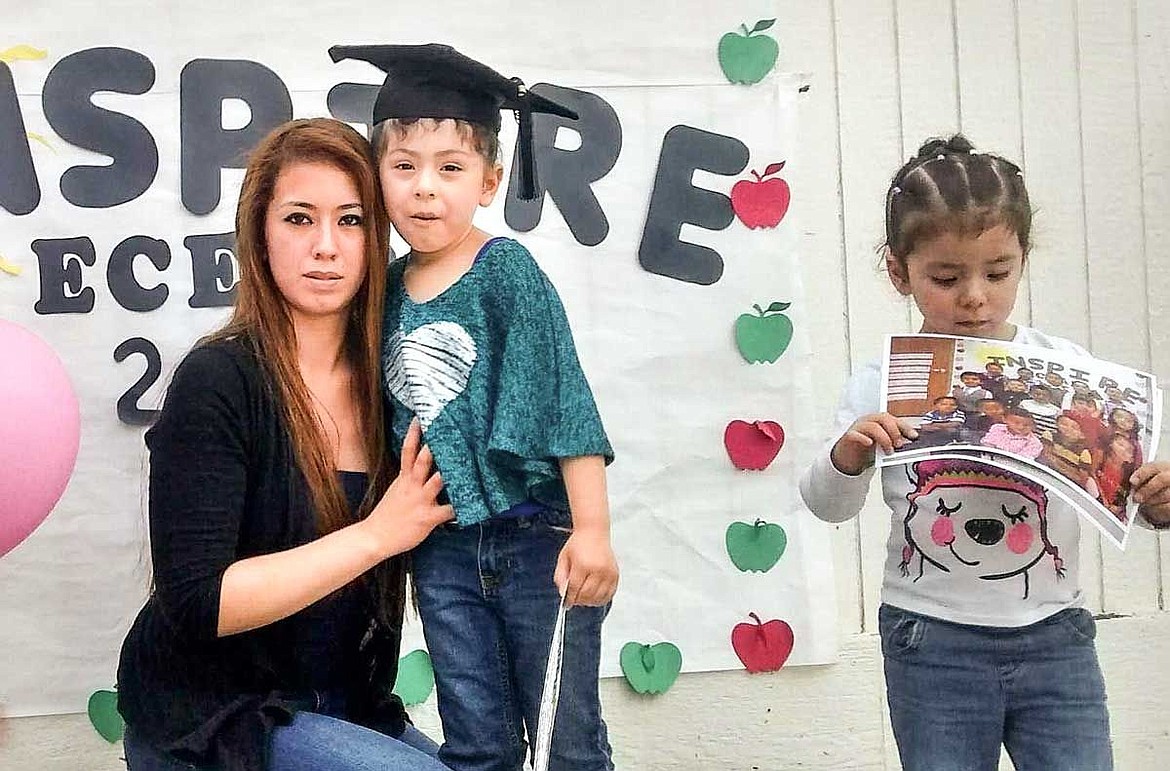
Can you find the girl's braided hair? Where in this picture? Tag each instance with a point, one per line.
(949, 188)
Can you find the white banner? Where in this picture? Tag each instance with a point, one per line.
(126, 131)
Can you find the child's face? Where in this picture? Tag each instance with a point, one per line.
(1018, 425)
(994, 370)
(1016, 386)
(963, 285)
(993, 410)
(1024, 374)
(1121, 449)
(946, 406)
(1079, 388)
(433, 180)
(1123, 419)
(969, 380)
(1054, 379)
(1038, 394)
(1114, 393)
(1082, 408)
(1069, 429)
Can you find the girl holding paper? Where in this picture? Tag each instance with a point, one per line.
(984, 634)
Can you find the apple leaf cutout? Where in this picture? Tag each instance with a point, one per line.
(773, 168)
(416, 678)
(746, 57)
(651, 668)
(755, 547)
(762, 338)
(104, 716)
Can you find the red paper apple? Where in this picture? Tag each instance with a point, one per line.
(764, 202)
(762, 647)
(752, 446)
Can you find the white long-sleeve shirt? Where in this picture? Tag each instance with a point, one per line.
(968, 543)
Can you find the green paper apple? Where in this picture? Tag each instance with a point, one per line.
(756, 547)
(104, 715)
(416, 678)
(763, 337)
(746, 57)
(651, 668)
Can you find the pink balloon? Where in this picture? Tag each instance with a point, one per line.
(40, 429)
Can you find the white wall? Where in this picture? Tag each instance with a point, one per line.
(1080, 92)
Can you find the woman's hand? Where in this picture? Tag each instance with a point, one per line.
(1151, 489)
(408, 511)
(854, 451)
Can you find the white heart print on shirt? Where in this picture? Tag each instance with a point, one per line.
(429, 367)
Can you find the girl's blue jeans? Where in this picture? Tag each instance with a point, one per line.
(957, 693)
(488, 606)
(315, 741)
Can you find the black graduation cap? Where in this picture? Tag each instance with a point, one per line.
(436, 81)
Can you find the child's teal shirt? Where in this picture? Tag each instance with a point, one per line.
(490, 370)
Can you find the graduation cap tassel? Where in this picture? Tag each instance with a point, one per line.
(527, 156)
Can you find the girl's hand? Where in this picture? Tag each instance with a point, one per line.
(587, 571)
(408, 512)
(1151, 489)
(854, 451)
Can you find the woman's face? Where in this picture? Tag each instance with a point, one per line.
(316, 239)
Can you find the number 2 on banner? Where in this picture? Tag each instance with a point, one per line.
(550, 695)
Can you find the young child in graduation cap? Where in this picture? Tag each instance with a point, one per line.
(477, 347)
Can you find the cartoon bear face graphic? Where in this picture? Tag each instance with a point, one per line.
(968, 517)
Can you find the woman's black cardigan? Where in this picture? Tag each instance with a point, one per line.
(224, 486)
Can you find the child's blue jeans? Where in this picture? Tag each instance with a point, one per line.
(958, 692)
(488, 606)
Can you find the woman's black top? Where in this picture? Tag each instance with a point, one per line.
(224, 486)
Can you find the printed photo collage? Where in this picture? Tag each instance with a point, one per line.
(1077, 426)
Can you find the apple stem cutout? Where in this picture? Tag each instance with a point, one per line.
(764, 202)
(765, 336)
(762, 647)
(746, 57)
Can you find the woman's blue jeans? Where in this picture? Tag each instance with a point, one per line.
(315, 741)
(958, 692)
(488, 606)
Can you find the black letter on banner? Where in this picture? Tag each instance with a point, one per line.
(57, 273)
(68, 107)
(120, 273)
(128, 410)
(675, 202)
(353, 103)
(19, 190)
(567, 174)
(207, 147)
(212, 268)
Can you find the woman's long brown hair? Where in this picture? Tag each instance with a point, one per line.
(262, 319)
